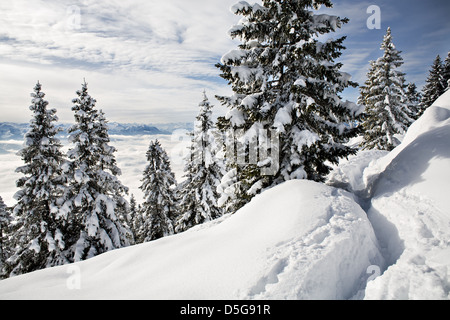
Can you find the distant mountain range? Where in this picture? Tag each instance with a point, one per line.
(16, 131)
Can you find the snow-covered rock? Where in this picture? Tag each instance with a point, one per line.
(301, 240)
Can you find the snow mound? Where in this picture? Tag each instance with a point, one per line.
(300, 240)
(410, 211)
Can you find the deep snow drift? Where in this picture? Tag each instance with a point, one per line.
(407, 197)
(297, 241)
(411, 211)
(300, 240)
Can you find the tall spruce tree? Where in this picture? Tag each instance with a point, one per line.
(38, 239)
(158, 184)
(94, 199)
(284, 78)
(435, 85)
(387, 113)
(203, 172)
(5, 219)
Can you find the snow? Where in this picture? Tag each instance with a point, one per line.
(283, 117)
(405, 193)
(236, 116)
(379, 229)
(411, 195)
(305, 137)
(300, 82)
(246, 74)
(287, 243)
(240, 6)
(233, 55)
(351, 174)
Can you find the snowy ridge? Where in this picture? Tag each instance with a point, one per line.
(300, 240)
(405, 193)
(411, 195)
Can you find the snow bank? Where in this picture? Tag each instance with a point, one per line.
(353, 174)
(411, 211)
(301, 240)
(405, 193)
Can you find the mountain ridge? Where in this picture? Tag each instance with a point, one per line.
(16, 131)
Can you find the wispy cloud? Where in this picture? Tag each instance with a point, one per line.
(149, 61)
(141, 34)
(153, 56)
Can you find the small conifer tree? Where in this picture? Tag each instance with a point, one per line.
(435, 85)
(387, 113)
(414, 97)
(159, 210)
(198, 193)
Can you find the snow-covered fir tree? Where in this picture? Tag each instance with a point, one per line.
(387, 113)
(365, 90)
(5, 219)
(203, 172)
(435, 85)
(94, 200)
(284, 78)
(109, 173)
(414, 98)
(159, 209)
(136, 221)
(38, 238)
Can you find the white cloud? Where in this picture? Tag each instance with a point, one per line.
(149, 60)
(131, 159)
(152, 58)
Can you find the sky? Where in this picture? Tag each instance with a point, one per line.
(149, 61)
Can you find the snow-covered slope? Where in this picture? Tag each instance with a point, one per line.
(406, 194)
(300, 240)
(411, 211)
